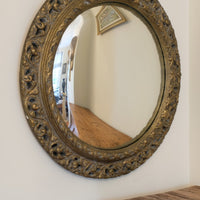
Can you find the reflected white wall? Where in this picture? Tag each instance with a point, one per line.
(83, 61)
(118, 74)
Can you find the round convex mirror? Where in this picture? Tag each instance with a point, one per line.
(100, 82)
(108, 77)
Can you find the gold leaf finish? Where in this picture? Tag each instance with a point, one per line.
(38, 99)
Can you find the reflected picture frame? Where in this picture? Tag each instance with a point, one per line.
(108, 18)
(64, 68)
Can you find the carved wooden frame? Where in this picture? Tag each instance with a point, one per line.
(40, 107)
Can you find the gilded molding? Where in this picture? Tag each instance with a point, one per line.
(40, 106)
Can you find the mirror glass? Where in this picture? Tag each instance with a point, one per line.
(107, 77)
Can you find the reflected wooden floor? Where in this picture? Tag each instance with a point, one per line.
(94, 131)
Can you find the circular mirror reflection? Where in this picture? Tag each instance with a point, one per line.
(108, 77)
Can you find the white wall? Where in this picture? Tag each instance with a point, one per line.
(194, 91)
(27, 172)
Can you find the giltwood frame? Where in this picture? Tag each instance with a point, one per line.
(39, 103)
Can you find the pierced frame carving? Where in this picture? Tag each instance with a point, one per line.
(40, 107)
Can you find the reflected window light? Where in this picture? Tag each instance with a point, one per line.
(61, 57)
(57, 73)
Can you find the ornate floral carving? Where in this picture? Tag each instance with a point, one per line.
(40, 107)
